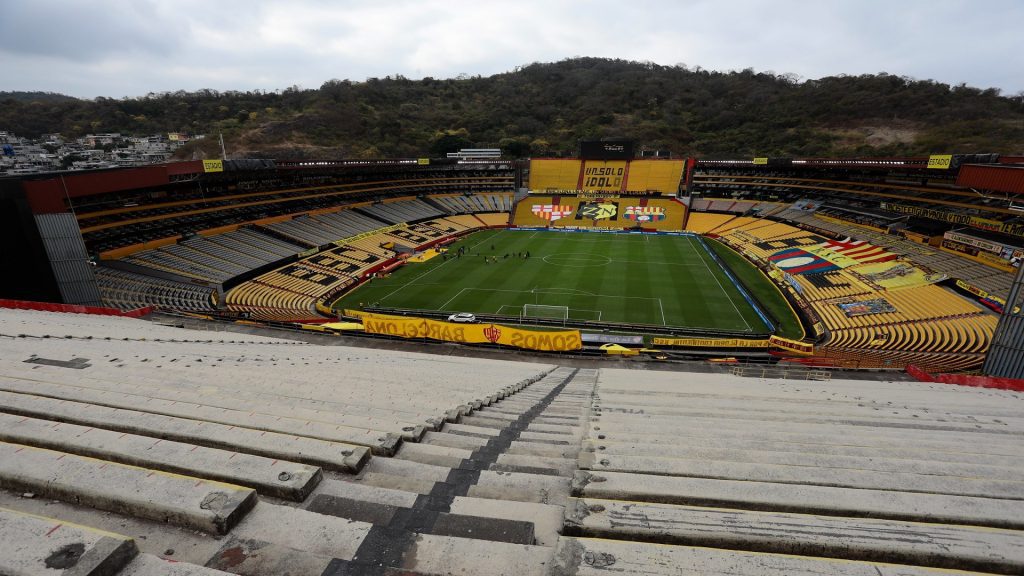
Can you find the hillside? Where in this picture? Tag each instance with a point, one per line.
(544, 109)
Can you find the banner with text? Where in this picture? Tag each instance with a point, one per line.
(411, 327)
(791, 346)
(954, 218)
(711, 342)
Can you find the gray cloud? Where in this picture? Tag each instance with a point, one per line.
(120, 47)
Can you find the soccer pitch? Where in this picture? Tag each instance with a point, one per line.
(661, 281)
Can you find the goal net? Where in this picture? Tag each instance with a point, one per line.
(545, 312)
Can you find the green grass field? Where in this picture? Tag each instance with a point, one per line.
(668, 281)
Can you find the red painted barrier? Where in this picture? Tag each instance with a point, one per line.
(968, 380)
(73, 308)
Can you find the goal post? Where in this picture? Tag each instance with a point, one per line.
(545, 312)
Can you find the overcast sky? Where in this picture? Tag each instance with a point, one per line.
(131, 47)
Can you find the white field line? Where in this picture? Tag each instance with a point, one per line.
(683, 264)
(662, 308)
(700, 253)
(453, 298)
(541, 291)
(413, 281)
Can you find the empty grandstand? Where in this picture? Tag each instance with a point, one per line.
(188, 401)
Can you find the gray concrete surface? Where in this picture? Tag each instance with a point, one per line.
(268, 476)
(329, 455)
(40, 546)
(914, 543)
(186, 501)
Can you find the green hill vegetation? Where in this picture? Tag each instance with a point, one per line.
(544, 109)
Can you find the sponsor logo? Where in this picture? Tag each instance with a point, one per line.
(213, 165)
(597, 211)
(940, 161)
(551, 212)
(644, 213)
(492, 333)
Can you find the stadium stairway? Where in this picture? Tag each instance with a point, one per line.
(110, 466)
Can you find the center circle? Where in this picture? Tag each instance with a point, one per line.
(577, 259)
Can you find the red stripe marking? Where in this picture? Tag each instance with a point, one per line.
(19, 449)
(52, 530)
(194, 448)
(22, 420)
(150, 474)
(813, 266)
(274, 462)
(198, 483)
(61, 456)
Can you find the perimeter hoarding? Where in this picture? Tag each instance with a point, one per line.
(411, 327)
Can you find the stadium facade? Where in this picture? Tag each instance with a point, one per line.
(888, 262)
(175, 400)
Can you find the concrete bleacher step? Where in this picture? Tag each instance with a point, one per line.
(800, 498)
(329, 455)
(520, 486)
(559, 466)
(483, 422)
(379, 442)
(598, 557)
(769, 446)
(836, 477)
(548, 438)
(365, 492)
(33, 545)
(473, 431)
(452, 440)
(489, 414)
(300, 530)
(546, 518)
(393, 482)
(920, 544)
(191, 502)
(822, 440)
(545, 418)
(437, 555)
(566, 429)
(432, 454)
(251, 557)
(440, 523)
(150, 565)
(818, 433)
(268, 476)
(540, 449)
(1004, 468)
(408, 468)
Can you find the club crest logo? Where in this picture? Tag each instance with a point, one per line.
(597, 211)
(644, 213)
(551, 212)
(492, 333)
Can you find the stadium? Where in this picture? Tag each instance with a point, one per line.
(670, 366)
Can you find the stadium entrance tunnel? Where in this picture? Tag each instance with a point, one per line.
(577, 259)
